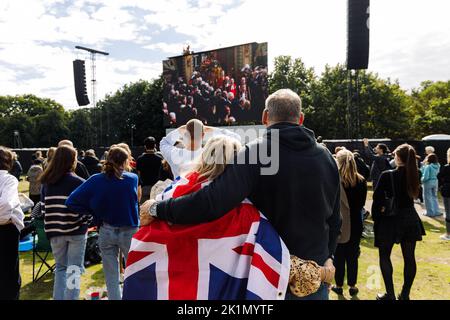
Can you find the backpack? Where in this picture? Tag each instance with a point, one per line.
(92, 254)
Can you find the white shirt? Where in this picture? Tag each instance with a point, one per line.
(183, 160)
(10, 209)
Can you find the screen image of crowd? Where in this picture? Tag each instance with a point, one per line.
(220, 87)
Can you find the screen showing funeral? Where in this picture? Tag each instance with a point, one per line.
(226, 86)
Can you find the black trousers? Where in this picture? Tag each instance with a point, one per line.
(347, 254)
(9, 262)
(409, 268)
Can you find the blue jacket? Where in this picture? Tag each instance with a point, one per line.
(430, 172)
(110, 200)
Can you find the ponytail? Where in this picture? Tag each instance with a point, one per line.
(115, 162)
(407, 155)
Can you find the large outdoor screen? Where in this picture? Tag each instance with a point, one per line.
(220, 87)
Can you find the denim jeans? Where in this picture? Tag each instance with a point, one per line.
(430, 197)
(447, 213)
(110, 240)
(68, 252)
(321, 294)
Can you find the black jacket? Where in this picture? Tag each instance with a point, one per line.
(379, 165)
(302, 200)
(362, 167)
(356, 197)
(92, 165)
(444, 180)
(405, 225)
(81, 171)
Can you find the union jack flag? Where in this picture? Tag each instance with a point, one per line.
(238, 256)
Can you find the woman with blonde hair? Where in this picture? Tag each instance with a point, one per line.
(112, 198)
(50, 154)
(219, 152)
(347, 254)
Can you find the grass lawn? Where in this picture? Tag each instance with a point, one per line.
(432, 281)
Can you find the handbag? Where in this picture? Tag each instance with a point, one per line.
(390, 205)
(304, 277)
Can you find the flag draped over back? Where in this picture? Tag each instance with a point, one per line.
(238, 256)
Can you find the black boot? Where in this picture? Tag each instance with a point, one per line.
(404, 295)
(353, 291)
(338, 290)
(385, 296)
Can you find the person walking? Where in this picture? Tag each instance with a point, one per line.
(429, 179)
(297, 187)
(11, 223)
(444, 187)
(66, 230)
(401, 225)
(112, 198)
(347, 254)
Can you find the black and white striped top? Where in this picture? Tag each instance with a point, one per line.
(59, 221)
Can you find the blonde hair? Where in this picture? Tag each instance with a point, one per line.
(347, 168)
(217, 153)
(50, 153)
(448, 155)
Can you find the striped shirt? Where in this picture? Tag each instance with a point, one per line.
(59, 220)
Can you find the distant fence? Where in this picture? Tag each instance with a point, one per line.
(440, 146)
(25, 155)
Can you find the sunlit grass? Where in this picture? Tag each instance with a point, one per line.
(432, 281)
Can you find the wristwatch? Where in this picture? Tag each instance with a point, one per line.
(152, 210)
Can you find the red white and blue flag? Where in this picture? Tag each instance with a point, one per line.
(236, 257)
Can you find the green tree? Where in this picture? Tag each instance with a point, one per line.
(431, 108)
(50, 128)
(39, 121)
(132, 113)
(80, 126)
(382, 105)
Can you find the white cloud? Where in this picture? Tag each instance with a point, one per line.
(169, 48)
(409, 38)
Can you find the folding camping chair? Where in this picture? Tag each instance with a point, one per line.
(41, 247)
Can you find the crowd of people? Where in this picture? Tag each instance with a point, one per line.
(219, 101)
(315, 201)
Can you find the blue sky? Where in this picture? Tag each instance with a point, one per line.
(410, 39)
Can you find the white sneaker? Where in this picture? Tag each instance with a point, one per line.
(445, 237)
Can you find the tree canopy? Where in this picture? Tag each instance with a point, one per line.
(133, 112)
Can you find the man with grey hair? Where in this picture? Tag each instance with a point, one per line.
(284, 106)
(301, 199)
